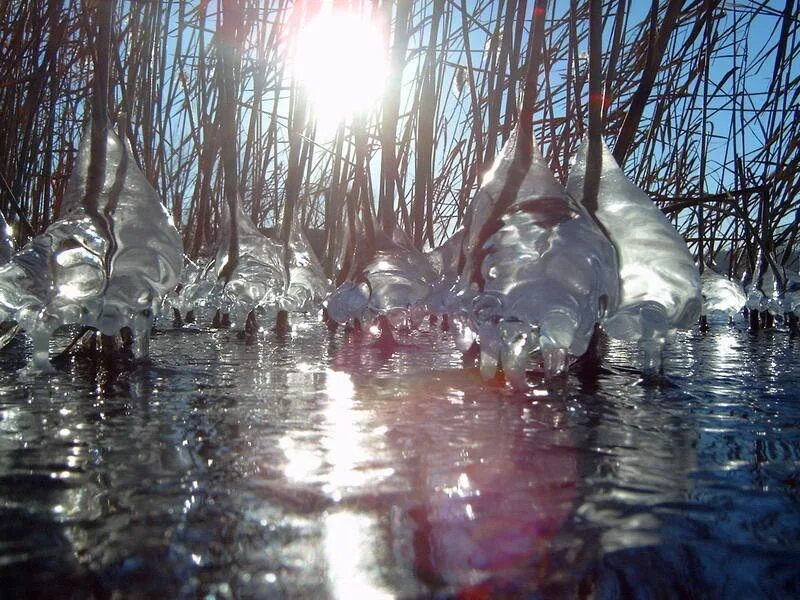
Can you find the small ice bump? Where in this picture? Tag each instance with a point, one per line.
(720, 294)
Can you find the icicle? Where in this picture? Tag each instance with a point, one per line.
(555, 361)
(464, 331)
(490, 350)
(652, 350)
(515, 349)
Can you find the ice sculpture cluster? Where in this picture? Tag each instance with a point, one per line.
(720, 294)
(107, 270)
(390, 279)
(537, 277)
(659, 282)
(308, 285)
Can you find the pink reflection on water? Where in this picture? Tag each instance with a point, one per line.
(489, 476)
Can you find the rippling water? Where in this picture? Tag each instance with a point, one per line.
(321, 467)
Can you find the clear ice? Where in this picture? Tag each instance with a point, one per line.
(444, 261)
(260, 279)
(549, 274)
(107, 271)
(8, 329)
(308, 285)
(791, 298)
(392, 279)
(7, 245)
(659, 282)
(720, 294)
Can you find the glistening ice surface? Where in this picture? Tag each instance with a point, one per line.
(540, 272)
(107, 270)
(321, 468)
(659, 282)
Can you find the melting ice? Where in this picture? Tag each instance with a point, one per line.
(659, 282)
(107, 271)
(392, 278)
(540, 275)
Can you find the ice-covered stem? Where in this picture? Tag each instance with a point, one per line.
(523, 149)
(230, 29)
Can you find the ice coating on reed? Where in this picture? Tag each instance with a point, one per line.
(444, 261)
(308, 285)
(192, 292)
(548, 274)
(391, 278)
(720, 294)
(791, 297)
(8, 329)
(659, 282)
(7, 245)
(259, 279)
(107, 270)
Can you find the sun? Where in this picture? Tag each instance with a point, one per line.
(339, 57)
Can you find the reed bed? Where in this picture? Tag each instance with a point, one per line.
(698, 100)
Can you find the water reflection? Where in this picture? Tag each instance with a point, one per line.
(350, 551)
(323, 468)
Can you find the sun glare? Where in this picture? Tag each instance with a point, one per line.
(340, 61)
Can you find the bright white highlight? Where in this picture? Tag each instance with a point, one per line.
(340, 60)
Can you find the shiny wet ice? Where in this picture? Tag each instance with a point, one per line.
(321, 466)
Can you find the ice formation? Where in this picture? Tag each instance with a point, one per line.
(7, 246)
(8, 329)
(308, 285)
(107, 270)
(391, 278)
(791, 298)
(260, 278)
(659, 282)
(720, 294)
(538, 276)
(444, 261)
(191, 295)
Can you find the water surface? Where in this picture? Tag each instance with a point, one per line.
(322, 467)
